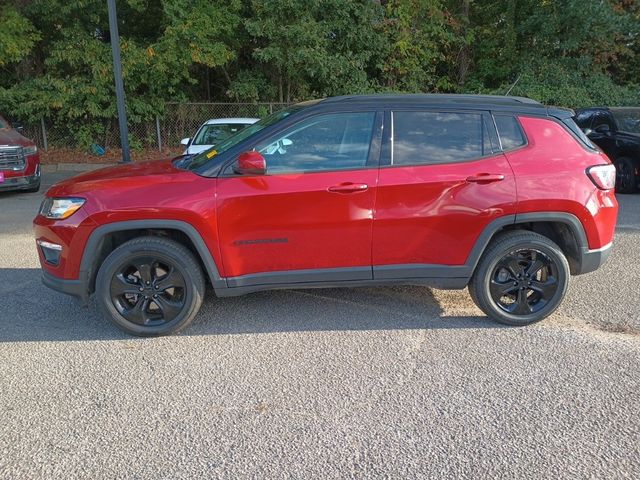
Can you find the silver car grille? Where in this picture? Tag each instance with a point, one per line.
(11, 158)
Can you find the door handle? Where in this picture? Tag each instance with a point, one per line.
(485, 178)
(349, 187)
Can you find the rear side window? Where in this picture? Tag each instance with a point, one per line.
(510, 133)
(438, 137)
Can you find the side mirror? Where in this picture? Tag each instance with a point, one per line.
(604, 128)
(251, 163)
(185, 141)
(18, 127)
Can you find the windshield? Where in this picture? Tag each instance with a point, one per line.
(202, 158)
(212, 134)
(627, 119)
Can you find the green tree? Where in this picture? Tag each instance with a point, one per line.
(319, 48)
(423, 36)
(161, 54)
(17, 36)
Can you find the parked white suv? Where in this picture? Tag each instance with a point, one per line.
(214, 131)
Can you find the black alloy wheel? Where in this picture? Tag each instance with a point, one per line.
(148, 291)
(521, 278)
(150, 286)
(523, 282)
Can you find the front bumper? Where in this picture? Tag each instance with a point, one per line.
(75, 288)
(21, 183)
(594, 259)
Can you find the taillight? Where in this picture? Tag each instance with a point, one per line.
(603, 176)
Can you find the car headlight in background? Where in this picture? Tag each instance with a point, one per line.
(59, 208)
(29, 150)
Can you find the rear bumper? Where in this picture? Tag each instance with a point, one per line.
(75, 288)
(594, 259)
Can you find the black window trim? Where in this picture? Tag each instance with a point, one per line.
(522, 132)
(373, 157)
(386, 160)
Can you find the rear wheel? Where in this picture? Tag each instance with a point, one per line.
(150, 286)
(626, 179)
(521, 278)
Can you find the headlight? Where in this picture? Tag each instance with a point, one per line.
(29, 150)
(59, 208)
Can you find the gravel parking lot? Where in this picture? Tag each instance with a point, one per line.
(394, 382)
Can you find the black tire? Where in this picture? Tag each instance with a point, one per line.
(174, 280)
(626, 179)
(521, 278)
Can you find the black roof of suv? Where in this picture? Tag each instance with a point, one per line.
(484, 102)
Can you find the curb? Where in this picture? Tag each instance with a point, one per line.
(74, 167)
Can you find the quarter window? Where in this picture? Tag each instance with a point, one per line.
(438, 137)
(324, 142)
(510, 132)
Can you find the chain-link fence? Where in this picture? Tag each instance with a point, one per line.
(180, 120)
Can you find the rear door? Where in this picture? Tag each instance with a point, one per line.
(444, 181)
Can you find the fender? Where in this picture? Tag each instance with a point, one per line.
(94, 243)
(587, 260)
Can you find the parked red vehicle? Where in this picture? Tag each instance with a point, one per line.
(19, 160)
(500, 194)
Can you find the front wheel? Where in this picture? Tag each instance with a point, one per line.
(521, 279)
(150, 286)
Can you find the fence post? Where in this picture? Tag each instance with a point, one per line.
(158, 133)
(270, 108)
(44, 134)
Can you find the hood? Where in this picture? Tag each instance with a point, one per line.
(122, 176)
(11, 137)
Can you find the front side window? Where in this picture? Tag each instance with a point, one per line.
(600, 120)
(628, 119)
(338, 141)
(3, 123)
(438, 137)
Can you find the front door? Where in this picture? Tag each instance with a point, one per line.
(309, 218)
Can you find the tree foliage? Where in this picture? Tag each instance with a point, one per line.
(17, 36)
(55, 55)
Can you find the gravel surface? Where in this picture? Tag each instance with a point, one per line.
(371, 382)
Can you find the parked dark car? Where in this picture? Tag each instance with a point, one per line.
(19, 160)
(617, 132)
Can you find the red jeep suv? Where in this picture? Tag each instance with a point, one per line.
(500, 194)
